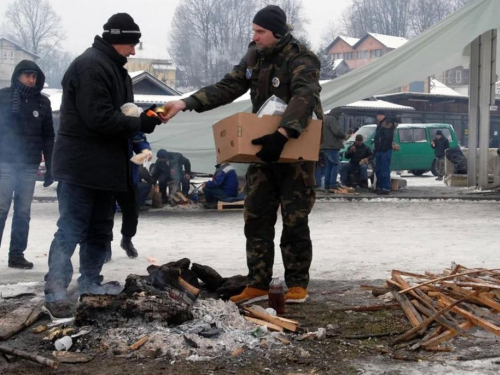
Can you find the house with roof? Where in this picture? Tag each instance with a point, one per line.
(359, 52)
(11, 54)
(155, 60)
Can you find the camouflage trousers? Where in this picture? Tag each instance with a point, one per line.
(270, 186)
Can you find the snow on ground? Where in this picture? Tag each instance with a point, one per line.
(352, 240)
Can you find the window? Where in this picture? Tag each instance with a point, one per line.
(458, 76)
(446, 133)
(376, 53)
(12, 55)
(362, 55)
(450, 76)
(337, 56)
(348, 55)
(5, 55)
(416, 135)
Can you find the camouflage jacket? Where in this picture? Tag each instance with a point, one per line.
(288, 70)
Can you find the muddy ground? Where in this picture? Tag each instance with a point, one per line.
(339, 353)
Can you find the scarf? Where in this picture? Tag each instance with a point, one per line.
(22, 92)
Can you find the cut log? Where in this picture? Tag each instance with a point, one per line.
(139, 343)
(284, 323)
(20, 318)
(182, 197)
(70, 357)
(271, 326)
(448, 335)
(31, 357)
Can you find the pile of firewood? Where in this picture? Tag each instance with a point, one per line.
(443, 306)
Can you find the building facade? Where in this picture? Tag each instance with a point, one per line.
(11, 54)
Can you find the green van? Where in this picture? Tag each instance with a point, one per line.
(416, 154)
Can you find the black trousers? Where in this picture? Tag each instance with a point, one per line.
(129, 204)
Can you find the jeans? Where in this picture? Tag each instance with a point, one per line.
(331, 170)
(144, 190)
(383, 169)
(129, 205)
(173, 187)
(17, 181)
(85, 218)
(214, 194)
(347, 168)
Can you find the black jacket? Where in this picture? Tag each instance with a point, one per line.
(384, 136)
(333, 136)
(24, 137)
(92, 147)
(440, 146)
(362, 152)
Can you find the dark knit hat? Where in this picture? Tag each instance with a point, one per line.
(359, 138)
(439, 132)
(272, 18)
(381, 113)
(121, 29)
(162, 154)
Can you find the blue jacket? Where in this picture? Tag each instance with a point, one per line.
(137, 144)
(225, 178)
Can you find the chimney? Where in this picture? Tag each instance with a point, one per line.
(140, 45)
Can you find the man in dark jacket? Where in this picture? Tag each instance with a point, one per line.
(91, 159)
(223, 185)
(359, 156)
(333, 141)
(440, 144)
(275, 64)
(26, 131)
(384, 144)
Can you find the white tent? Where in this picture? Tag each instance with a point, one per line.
(441, 47)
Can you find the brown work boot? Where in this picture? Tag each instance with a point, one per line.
(250, 295)
(296, 294)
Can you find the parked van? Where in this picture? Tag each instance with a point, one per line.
(416, 154)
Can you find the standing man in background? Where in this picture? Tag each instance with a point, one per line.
(440, 144)
(275, 64)
(26, 131)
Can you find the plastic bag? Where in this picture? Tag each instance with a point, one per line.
(142, 158)
(130, 109)
(273, 106)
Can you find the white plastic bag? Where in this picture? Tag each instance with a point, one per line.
(273, 106)
(130, 109)
(142, 158)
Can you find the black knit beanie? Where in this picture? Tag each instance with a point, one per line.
(272, 18)
(121, 29)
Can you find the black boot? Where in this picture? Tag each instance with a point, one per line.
(129, 248)
(20, 262)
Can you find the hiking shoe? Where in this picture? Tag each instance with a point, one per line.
(296, 294)
(129, 248)
(20, 262)
(250, 295)
(59, 310)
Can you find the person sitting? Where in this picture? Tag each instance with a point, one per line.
(224, 184)
(359, 156)
(179, 172)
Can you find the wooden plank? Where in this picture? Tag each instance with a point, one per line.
(20, 318)
(182, 197)
(410, 274)
(409, 310)
(272, 319)
(230, 205)
(446, 303)
(447, 335)
(139, 343)
(444, 278)
(430, 319)
(480, 298)
(271, 326)
(477, 285)
(392, 306)
(31, 357)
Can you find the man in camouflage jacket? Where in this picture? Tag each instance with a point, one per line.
(275, 64)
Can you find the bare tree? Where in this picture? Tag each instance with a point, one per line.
(294, 10)
(54, 64)
(34, 25)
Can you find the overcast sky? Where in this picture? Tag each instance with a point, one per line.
(84, 19)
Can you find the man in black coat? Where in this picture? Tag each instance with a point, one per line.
(359, 155)
(91, 159)
(440, 144)
(26, 131)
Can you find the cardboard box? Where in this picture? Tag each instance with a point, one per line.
(233, 139)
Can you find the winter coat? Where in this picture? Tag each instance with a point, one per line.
(384, 137)
(225, 178)
(23, 138)
(179, 166)
(288, 70)
(362, 152)
(333, 136)
(92, 147)
(440, 146)
(457, 158)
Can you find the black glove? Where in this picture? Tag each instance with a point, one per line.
(148, 123)
(47, 179)
(272, 146)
